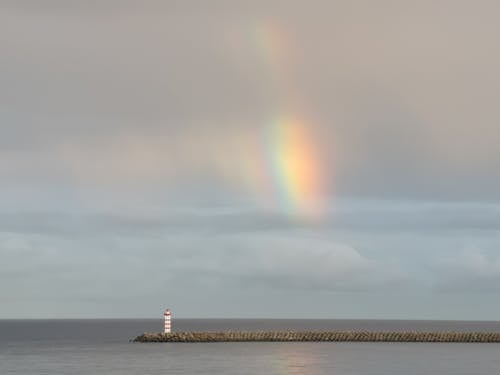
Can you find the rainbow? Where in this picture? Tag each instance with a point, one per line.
(294, 168)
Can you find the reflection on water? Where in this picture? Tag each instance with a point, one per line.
(297, 360)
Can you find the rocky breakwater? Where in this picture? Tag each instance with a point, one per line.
(318, 336)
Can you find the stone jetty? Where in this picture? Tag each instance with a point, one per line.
(320, 336)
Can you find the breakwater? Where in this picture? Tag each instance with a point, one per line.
(319, 336)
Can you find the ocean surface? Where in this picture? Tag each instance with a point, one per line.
(68, 347)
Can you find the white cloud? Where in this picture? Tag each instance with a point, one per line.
(471, 270)
(289, 260)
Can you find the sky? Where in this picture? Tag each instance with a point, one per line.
(259, 159)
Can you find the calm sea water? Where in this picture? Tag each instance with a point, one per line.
(67, 347)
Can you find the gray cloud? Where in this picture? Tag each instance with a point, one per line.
(60, 273)
(403, 110)
(369, 216)
(90, 260)
(133, 148)
(470, 271)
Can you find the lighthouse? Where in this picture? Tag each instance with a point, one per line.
(168, 321)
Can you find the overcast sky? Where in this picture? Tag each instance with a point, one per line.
(131, 145)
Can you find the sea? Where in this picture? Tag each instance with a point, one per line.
(75, 347)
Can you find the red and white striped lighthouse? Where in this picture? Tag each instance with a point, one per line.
(168, 321)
